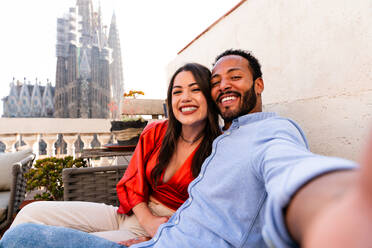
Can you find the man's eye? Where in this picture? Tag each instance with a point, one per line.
(214, 84)
(236, 77)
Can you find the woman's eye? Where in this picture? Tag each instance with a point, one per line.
(176, 92)
(195, 90)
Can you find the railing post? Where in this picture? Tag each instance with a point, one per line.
(30, 140)
(87, 139)
(50, 139)
(70, 140)
(9, 140)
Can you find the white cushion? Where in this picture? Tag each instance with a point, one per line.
(6, 162)
(4, 201)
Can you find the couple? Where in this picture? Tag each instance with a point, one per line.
(260, 186)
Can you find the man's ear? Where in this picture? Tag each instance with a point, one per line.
(259, 85)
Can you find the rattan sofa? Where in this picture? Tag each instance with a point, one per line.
(17, 189)
(92, 184)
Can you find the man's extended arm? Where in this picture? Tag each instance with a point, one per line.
(335, 209)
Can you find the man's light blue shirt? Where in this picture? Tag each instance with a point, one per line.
(239, 196)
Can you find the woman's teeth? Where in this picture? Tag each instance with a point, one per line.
(187, 109)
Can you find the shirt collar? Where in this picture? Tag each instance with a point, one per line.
(250, 118)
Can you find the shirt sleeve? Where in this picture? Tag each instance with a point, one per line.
(286, 164)
(133, 187)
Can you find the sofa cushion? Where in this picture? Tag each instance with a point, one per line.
(6, 162)
(4, 201)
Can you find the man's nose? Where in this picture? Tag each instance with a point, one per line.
(225, 84)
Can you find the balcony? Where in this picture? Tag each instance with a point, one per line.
(65, 136)
(32, 131)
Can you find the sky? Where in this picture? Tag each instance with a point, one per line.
(151, 34)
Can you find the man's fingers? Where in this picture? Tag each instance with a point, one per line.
(130, 242)
(366, 171)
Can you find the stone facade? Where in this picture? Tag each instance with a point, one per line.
(27, 100)
(89, 76)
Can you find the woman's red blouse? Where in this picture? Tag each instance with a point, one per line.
(135, 187)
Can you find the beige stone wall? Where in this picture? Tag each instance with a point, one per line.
(142, 106)
(316, 58)
(53, 125)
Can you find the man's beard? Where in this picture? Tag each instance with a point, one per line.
(248, 102)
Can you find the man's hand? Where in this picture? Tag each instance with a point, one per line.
(130, 242)
(347, 223)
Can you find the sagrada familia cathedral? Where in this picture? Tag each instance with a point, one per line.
(89, 73)
(27, 100)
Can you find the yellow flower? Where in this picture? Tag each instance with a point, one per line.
(133, 93)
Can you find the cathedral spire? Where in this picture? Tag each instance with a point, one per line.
(47, 101)
(36, 101)
(85, 10)
(10, 107)
(116, 67)
(96, 39)
(24, 101)
(84, 67)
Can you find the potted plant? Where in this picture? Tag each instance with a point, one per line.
(46, 175)
(129, 128)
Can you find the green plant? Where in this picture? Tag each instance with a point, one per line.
(47, 174)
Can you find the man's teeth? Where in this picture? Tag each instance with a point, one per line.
(186, 109)
(228, 98)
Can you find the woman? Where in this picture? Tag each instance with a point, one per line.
(167, 158)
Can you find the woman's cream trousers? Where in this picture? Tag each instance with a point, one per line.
(95, 218)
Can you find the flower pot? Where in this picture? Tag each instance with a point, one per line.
(127, 132)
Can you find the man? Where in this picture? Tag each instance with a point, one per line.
(261, 186)
(261, 181)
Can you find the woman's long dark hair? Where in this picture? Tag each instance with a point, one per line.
(202, 77)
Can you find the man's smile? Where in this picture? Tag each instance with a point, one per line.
(228, 98)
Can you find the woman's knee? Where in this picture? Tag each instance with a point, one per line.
(32, 212)
(34, 207)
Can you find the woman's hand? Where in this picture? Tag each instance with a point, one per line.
(147, 220)
(130, 242)
(152, 224)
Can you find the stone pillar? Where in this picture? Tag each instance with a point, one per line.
(30, 140)
(104, 138)
(37, 147)
(87, 139)
(70, 140)
(50, 139)
(9, 140)
(19, 140)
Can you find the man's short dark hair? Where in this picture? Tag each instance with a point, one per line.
(254, 65)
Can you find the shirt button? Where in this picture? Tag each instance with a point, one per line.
(155, 238)
(228, 133)
(190, 199)
(176, 221)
